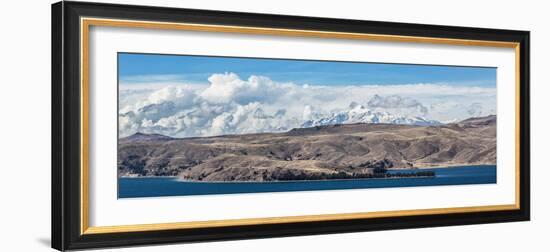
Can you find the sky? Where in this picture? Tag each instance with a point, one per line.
(139, 68)
(190, 96)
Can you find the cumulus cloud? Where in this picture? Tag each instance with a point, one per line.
(396, 102)
(231, 105)
(229, 87)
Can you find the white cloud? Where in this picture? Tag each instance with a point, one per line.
(397, 103)
(231, 105)
(475, 109)
(229, 87)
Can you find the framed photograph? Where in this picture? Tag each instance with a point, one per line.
(181, 125)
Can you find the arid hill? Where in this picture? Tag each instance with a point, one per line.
(335, 151)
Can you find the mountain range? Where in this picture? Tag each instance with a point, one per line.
(317, 152)
(359, 114)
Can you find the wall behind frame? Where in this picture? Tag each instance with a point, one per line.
(25, 127)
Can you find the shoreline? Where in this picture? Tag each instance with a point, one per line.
(389, 169)
(313, 180)
(439, 167)
(303, 180)
(273, 181)
(147, 176)
(277, 181)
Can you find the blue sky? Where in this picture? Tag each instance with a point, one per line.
(143, 68)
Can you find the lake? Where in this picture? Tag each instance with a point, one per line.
(158, 186)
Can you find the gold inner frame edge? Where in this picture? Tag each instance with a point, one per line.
(85, 24)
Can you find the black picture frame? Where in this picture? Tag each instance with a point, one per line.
(66, 125)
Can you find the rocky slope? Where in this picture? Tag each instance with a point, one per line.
(321, 152)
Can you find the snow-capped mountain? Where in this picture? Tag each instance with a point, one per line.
(360, 114)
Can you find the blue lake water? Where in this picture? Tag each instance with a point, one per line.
(154, 187)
